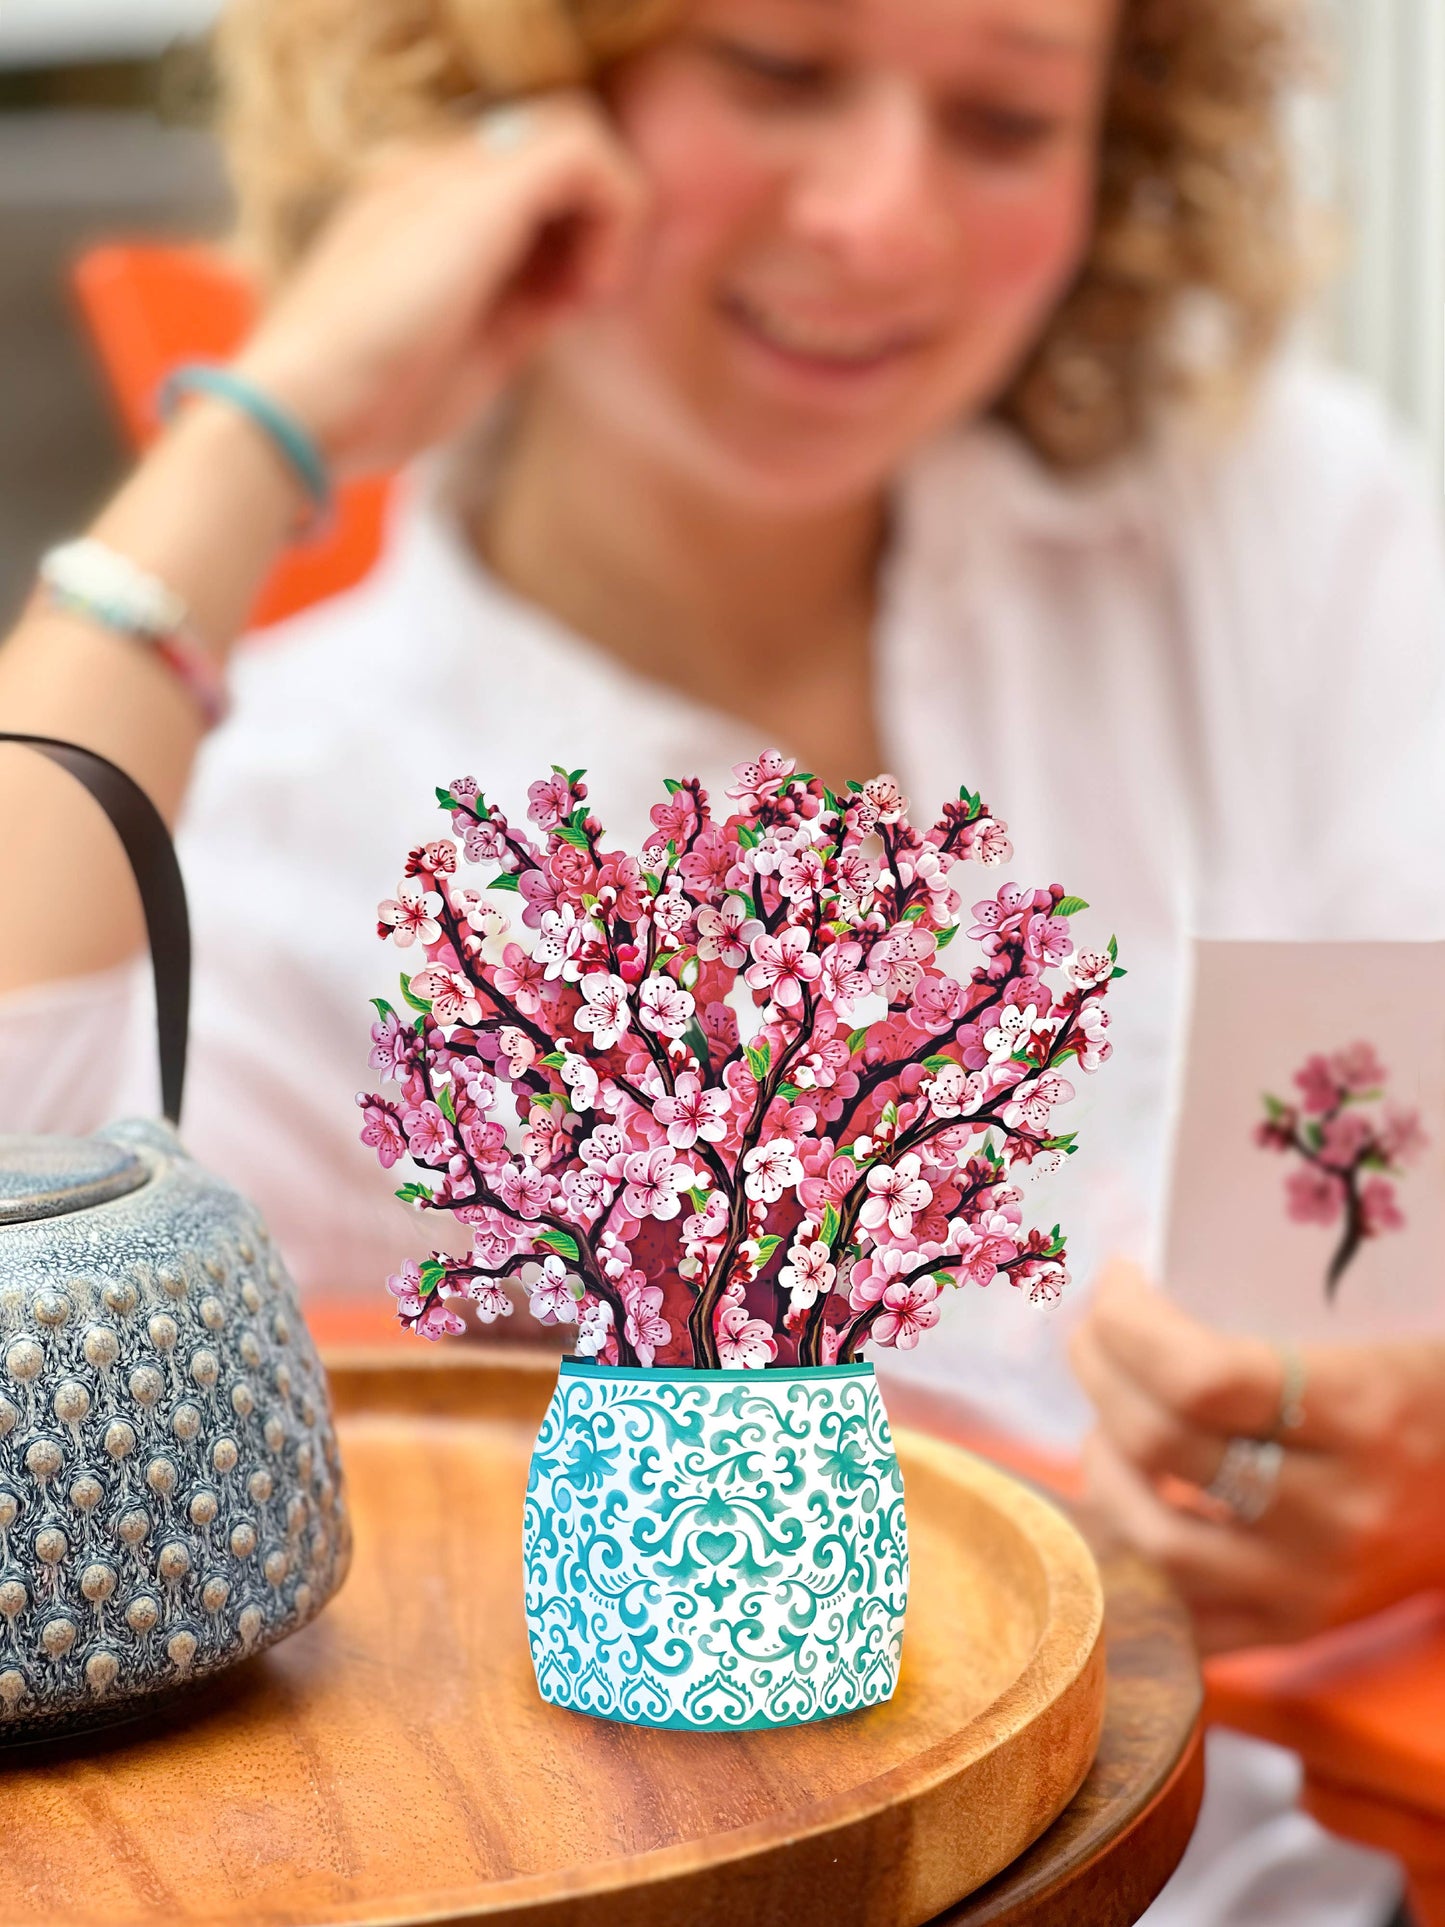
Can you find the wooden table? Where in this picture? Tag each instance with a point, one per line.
(183, 1818)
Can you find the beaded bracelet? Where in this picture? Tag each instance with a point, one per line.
(292, 442)
(87, 579)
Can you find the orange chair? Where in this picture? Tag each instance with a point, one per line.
(1366, 1707)
(148, 307)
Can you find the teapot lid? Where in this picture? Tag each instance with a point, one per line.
(49, 1177)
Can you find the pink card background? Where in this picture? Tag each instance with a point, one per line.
(1232, 1254)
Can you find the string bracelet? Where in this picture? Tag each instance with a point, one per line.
(292, 441)
(85, 578)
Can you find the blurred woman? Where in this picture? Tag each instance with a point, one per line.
(888, 380)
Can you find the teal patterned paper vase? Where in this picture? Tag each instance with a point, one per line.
(715, 1550)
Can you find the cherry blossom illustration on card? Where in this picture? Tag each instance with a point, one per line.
(1346, 1149)
(1308, 1176)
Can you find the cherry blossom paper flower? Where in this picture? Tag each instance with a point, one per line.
(908, 1311)
(715, 1100)
(691, 1113)
(412, 915)
(664, 1007)
(783, 965)
(606, 1013)
(744, 1344)
(896, 1194)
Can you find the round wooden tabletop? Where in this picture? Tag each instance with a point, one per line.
(278, 1798)
(1114, 1846)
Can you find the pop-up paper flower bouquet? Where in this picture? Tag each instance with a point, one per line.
(721, 1106)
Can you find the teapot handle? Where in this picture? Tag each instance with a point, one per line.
(152, 855)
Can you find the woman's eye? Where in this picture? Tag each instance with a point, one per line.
(784, 73)
(999, 133)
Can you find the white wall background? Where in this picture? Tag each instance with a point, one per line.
(1379, 144)
(1377, 147)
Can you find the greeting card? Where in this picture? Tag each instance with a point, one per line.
(1308, 1177)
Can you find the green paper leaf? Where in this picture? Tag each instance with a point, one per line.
(1117, 972)
(699, 1198)
(1068, 907)
(415, 1194)
(574, 777)
(828, 1229)
(562, 1242)
(566, 834)
(789, 1091)
(760, 1058)
(695, 1037)
(749, 838)
(445, 1104)
(857, 1039)
(857, 788)
(382, 1007)
(554, 1060)
(939, 1063)
(671, 785)
(766, 1247)
(417, 1003)
(1113, 949)
(946, 936)
(446, 799)
(508, 880)
(432, 1274)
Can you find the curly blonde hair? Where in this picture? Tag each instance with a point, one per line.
(1197, 253)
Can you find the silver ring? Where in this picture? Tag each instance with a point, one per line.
(503, 129)
(1247, 1477)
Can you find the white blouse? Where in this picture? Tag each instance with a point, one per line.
(1204, 690)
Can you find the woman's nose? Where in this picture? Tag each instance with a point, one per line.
(867, 189)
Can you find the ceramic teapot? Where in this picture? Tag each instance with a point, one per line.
(170, 1488)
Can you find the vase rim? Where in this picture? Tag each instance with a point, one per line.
(693, 1374)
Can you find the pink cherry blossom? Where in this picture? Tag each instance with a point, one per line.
(451, 996)
(549, 801)
(772, 1169)
(1035, 1098)
(808, 1272)
(762, 779)
(1379, 1207)
(518, 1049)
(908, 1311)
(606, 1013)
(1402, 1136)
(692, 1113)
(429, 1134)
(520, 978)
(647, 1330)
(743, 1343)
(896, 1194)
(1089, 967)
(1358, 1068)
(801, 875)
(663, 1007)
(1314, 1196)
(1046, 938)
(724, 933)
(411, 915)
(990, 842)
(783, 965)
(526, 1191)
(551, 1298)
(710, 1221)
(1319, 1089)
(653, 1182)
(382, 1131)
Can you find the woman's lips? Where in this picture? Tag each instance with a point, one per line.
(837, 350)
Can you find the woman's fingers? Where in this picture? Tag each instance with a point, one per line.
(1145, 1431)
(443, 273)
(1214, 1382)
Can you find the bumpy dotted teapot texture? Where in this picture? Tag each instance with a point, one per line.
(170, 1488)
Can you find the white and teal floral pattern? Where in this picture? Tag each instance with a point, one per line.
(715, 1550)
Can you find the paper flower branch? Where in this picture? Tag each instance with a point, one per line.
(1348, 1151)
(580, 1094)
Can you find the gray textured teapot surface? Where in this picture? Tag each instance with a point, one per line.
(170, 1488)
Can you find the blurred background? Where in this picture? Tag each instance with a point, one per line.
(103, 106)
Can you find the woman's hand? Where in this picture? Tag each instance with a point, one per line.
(1358, 1517)
(442, 273)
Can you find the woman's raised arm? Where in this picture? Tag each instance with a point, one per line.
(426, 293)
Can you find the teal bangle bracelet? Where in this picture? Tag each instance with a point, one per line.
(293, 442)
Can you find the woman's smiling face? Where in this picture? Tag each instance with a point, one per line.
(864, 213)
